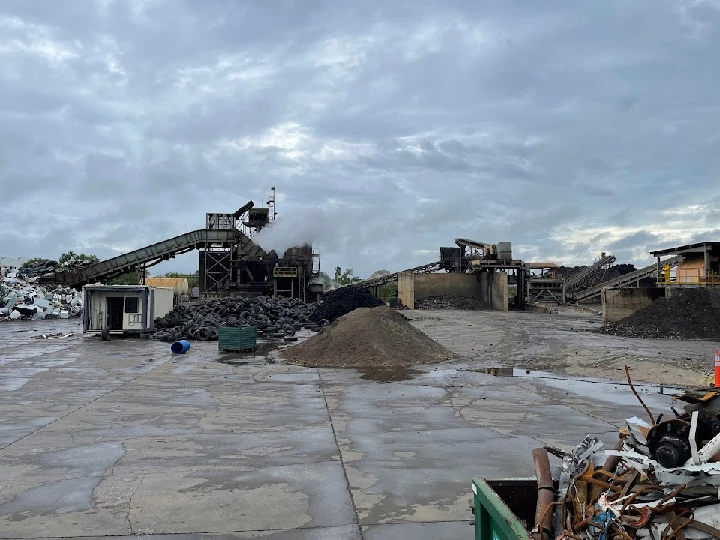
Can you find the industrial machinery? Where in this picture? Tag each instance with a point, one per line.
(245, 269)
(230, 262)
(472, 257)
(542, 283)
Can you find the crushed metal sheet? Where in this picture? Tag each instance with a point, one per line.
(24, 299)
(627, 492)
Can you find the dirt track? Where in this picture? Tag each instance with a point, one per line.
(561, 343)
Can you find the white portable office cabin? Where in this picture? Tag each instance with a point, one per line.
(124, 309)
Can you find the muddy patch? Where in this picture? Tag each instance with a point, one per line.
(388, 374)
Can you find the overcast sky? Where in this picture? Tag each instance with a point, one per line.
(389, 128)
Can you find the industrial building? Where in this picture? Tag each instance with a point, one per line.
(699, 265)
(692, 265)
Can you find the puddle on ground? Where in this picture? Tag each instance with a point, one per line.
(616, 391)
(499, 371)
(388, 374)
(256, 356)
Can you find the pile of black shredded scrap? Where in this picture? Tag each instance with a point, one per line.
(199, 321)
(692, 313)
(463, 303)
(344, 300)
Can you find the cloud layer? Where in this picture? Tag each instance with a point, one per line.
(390, 127)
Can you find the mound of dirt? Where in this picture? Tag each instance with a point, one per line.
(368, 337)
(343, 300)
(466, 303)
(687, 314)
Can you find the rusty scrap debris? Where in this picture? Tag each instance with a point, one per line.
(661, 481)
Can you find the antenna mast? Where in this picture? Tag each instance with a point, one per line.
(272, 205)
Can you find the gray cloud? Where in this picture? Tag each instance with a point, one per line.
(638, 239)
(565, 129)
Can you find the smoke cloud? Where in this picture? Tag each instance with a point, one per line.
(306, 226)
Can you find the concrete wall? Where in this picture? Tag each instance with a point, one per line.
(447, 284)
(494, 287)
(493, 290)
(618, 303)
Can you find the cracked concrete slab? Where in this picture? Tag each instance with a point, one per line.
(347, 532)
(419, 531)
(212, 500)
(122, 439)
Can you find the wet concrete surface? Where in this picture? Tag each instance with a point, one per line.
(122, 439)
(564, 343)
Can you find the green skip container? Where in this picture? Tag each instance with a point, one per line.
(242, 338)
(504, 509)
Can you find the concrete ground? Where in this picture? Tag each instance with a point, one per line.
(564, 343)
(121, 439)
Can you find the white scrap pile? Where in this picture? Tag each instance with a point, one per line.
(20, 299)
(662, 481)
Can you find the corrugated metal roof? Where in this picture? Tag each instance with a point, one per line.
(680, 249)
(697, 262)
(539, 265)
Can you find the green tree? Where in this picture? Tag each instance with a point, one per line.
(128, 278)
(345, 278)
(33, 262)
(71, 256)
(387, 291)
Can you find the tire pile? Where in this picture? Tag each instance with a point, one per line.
(344, 300)
(269, 315)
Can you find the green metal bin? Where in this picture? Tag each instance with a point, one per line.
(504, 509)
(242, 338)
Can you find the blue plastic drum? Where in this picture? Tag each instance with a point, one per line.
(180, 347)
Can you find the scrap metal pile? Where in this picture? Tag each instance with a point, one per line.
(270, 315)
(22, 300)
(662, 480)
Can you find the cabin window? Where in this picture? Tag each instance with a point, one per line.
(132, 304)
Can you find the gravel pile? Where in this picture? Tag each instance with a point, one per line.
(368, 337)
(199, 321)
(344, 300)
(466, 303)
(687, 314)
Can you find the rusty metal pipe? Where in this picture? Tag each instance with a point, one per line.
(546, 493)
(612, 462)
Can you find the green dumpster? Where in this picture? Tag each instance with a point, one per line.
(242, 338)
(504, 509)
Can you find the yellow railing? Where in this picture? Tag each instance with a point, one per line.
(710, 280)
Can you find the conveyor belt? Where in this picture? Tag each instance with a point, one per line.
(622, 281)
(587, 275)
(382, 280)
(156, 253)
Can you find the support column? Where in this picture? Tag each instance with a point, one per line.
(406, 289)
(706, 254)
